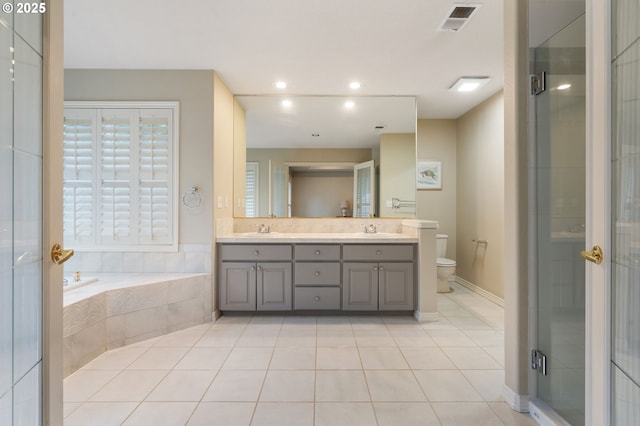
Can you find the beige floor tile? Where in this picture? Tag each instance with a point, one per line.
(159, 358)
(246, 358)
(82, 384)
(222, 413)
(344, 413)
(471, 359)
(511, 417)
(288, 386)
(486, 337)
(236, 385)
(338, 358)
(161, 414)
(335, 336)
(373, 337)
(297, 335)
(446, 386)
(393, 385)
(341, 385)
(182, 385)
(221, 335)
(186, 337)
(203, 358)
(283, 414)
(465, 414)
(427, 358)
(415, 336)
(293, 358)
(130, 385)
(382, 358)
(405, 413)
(488, 383)
(70, 407)
(496, 352)
(100, 414)
(451, 338)
(116, 359)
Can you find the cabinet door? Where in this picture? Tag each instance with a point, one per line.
(360, 286)
(274, 286)
(237, 286)
(396, 286)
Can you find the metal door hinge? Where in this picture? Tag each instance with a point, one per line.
(539, 362)
(538, 83)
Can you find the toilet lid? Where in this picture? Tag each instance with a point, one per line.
(443, 261)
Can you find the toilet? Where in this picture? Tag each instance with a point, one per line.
(446, 267)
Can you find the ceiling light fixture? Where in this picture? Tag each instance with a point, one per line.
(287, 103)
(354, 85)
(349, 104)
(564, 86)
(469, 84)
(281, 84)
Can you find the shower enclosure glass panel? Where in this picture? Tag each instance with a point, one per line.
(20, 219)
(560, 180)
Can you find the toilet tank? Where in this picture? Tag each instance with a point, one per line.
(441, 245)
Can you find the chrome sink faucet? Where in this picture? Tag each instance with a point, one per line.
(370, 229)
(264, 229)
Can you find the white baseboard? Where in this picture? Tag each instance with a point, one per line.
(479, 290)
(545, 415)
(519, 403)
(426, 316)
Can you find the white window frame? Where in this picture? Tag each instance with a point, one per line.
(256, 190)
(172, 244)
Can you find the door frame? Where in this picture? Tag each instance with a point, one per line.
(598, 212)
(52, 125)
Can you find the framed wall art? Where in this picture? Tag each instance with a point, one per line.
(429, 174)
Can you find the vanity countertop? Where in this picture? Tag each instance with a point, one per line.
(317, 237)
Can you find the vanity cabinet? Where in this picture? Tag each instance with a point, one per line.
(369, 285)
(255, 277)
(283, 277)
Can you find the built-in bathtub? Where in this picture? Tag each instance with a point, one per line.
(124, 308)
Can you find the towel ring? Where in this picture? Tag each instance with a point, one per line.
(192, 199)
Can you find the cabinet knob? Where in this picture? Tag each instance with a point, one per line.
(256, 252)
(317, 298)
(317, 273)
(317, 252)
(378, 252)
(382, 268)
(375, 268)
(259, 268)
(253, 268)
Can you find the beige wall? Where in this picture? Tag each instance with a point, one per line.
(193, 89)
(397, 173)
(318, 194)
(223, 149)
(239, 158)
(262, 156)
(437, 140)
(480, 196)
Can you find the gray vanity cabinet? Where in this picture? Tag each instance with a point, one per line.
(254, 277)
(384, 285)
(317, 277)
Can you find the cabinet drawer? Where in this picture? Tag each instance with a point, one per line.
(317, 298)
(317, 273)
(377, 252)
(250, 252)
(317, 252)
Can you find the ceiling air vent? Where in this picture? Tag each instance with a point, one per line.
(458, 17)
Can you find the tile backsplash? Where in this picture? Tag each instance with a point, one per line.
(192, 258)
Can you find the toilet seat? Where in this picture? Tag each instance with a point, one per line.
(443, 261)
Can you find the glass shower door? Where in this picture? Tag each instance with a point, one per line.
(560, 181)
(20, 219)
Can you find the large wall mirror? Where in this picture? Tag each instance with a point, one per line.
(324, 156)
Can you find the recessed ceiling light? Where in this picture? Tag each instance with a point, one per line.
(564, 86)
(469, 84)
(281, 84)
(354, 85)
(349, 104)
(287, 103)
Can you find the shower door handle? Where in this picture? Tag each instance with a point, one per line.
(595, 255)
(58, 255)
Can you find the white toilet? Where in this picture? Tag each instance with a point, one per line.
(446, 267)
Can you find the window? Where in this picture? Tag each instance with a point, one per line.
(120, 175)
(251, 191)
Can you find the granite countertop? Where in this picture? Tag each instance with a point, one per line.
(317, 237)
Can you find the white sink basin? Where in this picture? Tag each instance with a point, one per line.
(261, 234)
(377, 234)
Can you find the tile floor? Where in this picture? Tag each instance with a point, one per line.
(306, 370)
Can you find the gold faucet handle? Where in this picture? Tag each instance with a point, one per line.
(58, 255)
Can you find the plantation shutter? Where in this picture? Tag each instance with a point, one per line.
(251, 191)
(79, 225)
(120, 177)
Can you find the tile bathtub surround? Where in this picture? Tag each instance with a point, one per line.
(305, 370)
(121, 309)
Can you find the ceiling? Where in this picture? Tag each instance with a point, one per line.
(393, 47)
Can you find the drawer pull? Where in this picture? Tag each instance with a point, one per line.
(256, 252)
(317, 298)
(317, 273)
(382, 268)
(253, 268)
(375, 268)
(317, 252)
(259, 268)
(378, 252)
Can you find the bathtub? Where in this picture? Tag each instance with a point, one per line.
(114, 310)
